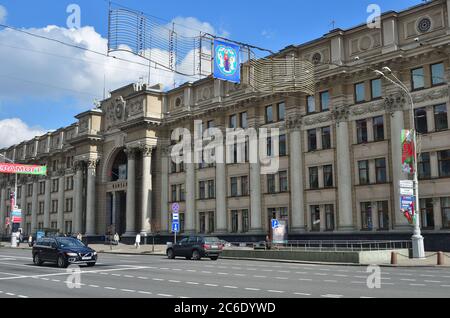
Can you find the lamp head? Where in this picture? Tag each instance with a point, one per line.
(387, 69)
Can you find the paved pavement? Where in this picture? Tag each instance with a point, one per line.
(142, 276)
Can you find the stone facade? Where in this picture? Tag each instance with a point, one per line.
(339, 173)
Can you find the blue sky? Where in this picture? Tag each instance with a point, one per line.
(47, 86)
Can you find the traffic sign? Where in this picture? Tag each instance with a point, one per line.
(175, 208)
(175, 227)
(275, 224)
(406, 191)
(407, 184)
(176, 217)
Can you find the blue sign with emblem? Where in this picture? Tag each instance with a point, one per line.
(227, 61)
(275, 224)
(175, 227)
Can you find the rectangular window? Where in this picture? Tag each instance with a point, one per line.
(418, 78)
(312, 140)
(174, 193)
(234, 187)
(211, 223)
(69, 205)
(427, 213)
(366, 216)
(244, 120)
(380, 168)
(173, 167)
(360, 92)
(445, 207)
(440, 117)
(269, 114)
(29, 208)
(283, 148)
(281, 111)
(182, 193)
(315, 218)
(420, 116)
(363, 167)
(376, 89)
(424, 166)
(41, 208)
(69, 183)
(329, 217)
(326, 138)
(19, 192)
(325, 101)
(328, 176)
(437, 74)
(234, 221)
(42, 187)
(202, 190)
(244, 186)
(55, 185)
(245, 221)
(314, 178)
(211, 189)
(311, 104)
(444, 163)
(233, 122)
(202, 219)
(54, 206)
(282, 175)
(378, 128)
(270, 183)
(182, 222)
(383, 215)
(361, 131)
(30, 190)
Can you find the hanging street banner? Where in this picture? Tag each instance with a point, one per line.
(23, 169)
(407, 208)
(408, 152)
(16, 216)
(227, 61)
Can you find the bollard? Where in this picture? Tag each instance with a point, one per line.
(394, 258)
(440, 259)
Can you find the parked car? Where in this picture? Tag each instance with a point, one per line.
(196, 247)
(63, 251)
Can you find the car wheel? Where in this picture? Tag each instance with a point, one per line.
(215, 258)
(62, 263)
(170, 254)
(196, 255)
(37, 260)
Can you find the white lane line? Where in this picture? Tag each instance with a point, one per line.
(330, 281)
(45, 278)
(158, 279)
(423, 275)
(10, 274)
(211, 285)
(117, 275)
(94, 286)
(267, 270)
(253, 289)
(275, 291)
(301, 273)
(340, 275)
(281, 278)
(422, 285)
(165, 295)
(408, 280)
(174, 281)
(128, 276)
(305, 279)
(191, 271)
(128, 290)
(206, 272)
(302, 294)
(144, 278)
(259, 276)
(433, 281)
(284, 271)
(56, 280)
(176, 269)
(320, 274)
(358, 282)
(223, 274)
(331, 296)
(230, 287)
(240, 275)
(145, 292)
(22, 296)
(110, 288)
(10, 294)
(164, 268)
(192, 283)
(251, 269)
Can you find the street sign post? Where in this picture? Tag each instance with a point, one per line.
(175, 220)
(406, 192)
(275, 224)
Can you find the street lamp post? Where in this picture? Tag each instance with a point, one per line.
(417, 238)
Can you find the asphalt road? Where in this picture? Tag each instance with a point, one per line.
(136, 276)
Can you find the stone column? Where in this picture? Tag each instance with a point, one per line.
(375, 221)
(239, 222)
(147, 190)
(255, 194)
(47, 202)
(437, 214)
(131, 193)
(344, 175)
(190, 199)
(221, 193)
(165, 191)
(2, 207)
(34, 205)
(90, 197)
(78, 198)
(61, 187)
(207, 223)
(113, 211)
(23, 206)
(448, 16)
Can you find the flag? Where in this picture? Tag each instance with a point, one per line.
(408, 152)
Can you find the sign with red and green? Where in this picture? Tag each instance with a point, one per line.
(408, 152)
(11, 168)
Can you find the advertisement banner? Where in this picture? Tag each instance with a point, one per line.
(408, 208)
(280, 233)
(227, 61)
(408, 152)
(10, 168)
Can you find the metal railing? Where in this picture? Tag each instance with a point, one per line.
(329, 246)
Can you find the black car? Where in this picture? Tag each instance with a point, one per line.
(63, 251)
(196, 247)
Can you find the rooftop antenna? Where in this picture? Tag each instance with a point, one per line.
(333, 24)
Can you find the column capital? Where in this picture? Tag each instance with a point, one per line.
(147, 150)
(395, 102)
(93, 163)
(294, 122)
(341, 114)
(78, 165)
(131, 152)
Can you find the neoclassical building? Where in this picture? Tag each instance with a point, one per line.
(340, 150)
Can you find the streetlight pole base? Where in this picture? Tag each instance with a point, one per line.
(418, 247)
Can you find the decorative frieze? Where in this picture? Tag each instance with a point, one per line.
(395, 102)
(294, 122)
(341, 114)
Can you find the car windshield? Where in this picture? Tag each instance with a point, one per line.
(68, 242)
(212, 240)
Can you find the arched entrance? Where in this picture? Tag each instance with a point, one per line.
(116, 193)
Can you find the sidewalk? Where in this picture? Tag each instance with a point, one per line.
(129, 249)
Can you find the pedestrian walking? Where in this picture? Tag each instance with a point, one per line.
(30, 241)
(79, 237)
(116, 239)
(138, 241)
(18, 235)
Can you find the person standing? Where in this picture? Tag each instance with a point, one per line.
(138, 241)
(116, 239)
(79, 237)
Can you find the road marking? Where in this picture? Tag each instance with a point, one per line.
(284, 271)
(206, 272)
(174, 281)
(22, 296)
(281, 278)
(417, 285)
(305, 279)
(145, 292)
(240, 275)
(191, 271)
(176, 269)
(445, 286)
(408, 280)
(211, 285)
(267, 270)
(332, 296)
(56, 280)
(45, 278)
(192, 283)
(366, 297)
(128, 290)
(340, 275)
(358, 283)
(231, 287)
(222, 274)
(128, 276)
(158, 279)
(117, 275)
(275, 291)
(110, 288)
(10, 274)
(433, 281)
(301, 273)
(302, 294)
(253, 289)
(165, 295)
(330, 281)
(141, 277)
(320, 274)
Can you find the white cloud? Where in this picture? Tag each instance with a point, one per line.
(3, 14)
(45, 70)
(14, 131)
(267, 34)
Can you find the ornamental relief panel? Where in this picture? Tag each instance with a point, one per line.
(204, 93)
(317, 119)
(116, 112)
(368, 108)
(430, 96)
(365, 43)
(136, 107)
